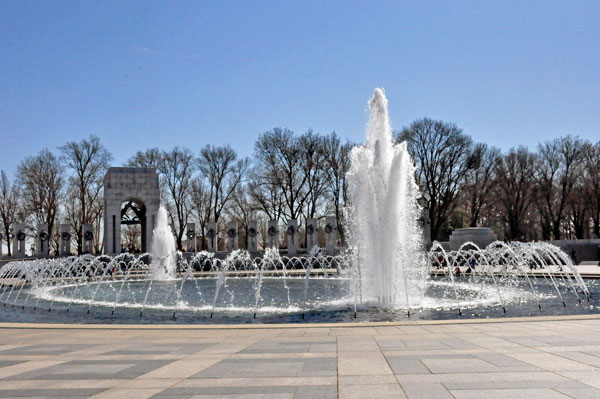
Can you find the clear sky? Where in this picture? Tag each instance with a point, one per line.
(165, 73)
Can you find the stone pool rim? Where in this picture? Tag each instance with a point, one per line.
(364, 324)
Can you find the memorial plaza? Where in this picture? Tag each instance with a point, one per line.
(541, 357)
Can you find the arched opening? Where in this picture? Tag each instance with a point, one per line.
(133, 226)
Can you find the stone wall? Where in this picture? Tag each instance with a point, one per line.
(585, 250)
(481, 236)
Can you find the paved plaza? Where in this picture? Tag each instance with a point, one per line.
(530, 358)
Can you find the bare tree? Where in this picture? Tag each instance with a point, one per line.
(200, 202)
(9, 203)
(266, 196)
(242, 210)
(557, 171)
(176, 169)
(88, 160)
(280, 158)
(223, 173)
(591, 167)
(337, 163)
(479, 181)
(150, 158)
(514, 189)
(442, 154)
(578, 211)
(72, 213)
(41, 183)
(131, 236)
(313, 166)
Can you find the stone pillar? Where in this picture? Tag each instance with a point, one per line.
(425, 223)
(65, 240)
(87, 244)
(311, 234)
(232, 236)
(112, 229)
(330, 235)
(252, 236)
(292, 237)
(211, 235)
(42, 240)
(191, 237)
(19, 237)
(273, 234)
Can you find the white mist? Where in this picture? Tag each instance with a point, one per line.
(163, 248)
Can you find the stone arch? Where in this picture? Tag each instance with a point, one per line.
(138, 186)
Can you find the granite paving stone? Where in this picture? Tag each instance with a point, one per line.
(48, 393)
(544, 358)
(508, 394)
(420, 390)
(580, 393)
(92, 369)
(383, 391)
(401, 365)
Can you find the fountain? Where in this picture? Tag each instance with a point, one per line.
(383, 218)
(384, 274)
(163, 248)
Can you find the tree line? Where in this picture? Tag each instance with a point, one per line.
(552, 192)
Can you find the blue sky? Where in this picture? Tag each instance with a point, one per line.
(160, 74)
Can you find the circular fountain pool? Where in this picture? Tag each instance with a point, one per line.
(501, 280)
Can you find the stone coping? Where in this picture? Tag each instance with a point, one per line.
(58, 326)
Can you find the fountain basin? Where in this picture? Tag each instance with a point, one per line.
(325, 302)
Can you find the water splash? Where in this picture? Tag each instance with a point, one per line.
(383, 225)
(505, 277)
(163, 248)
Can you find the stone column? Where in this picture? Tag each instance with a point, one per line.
(42, 240)
(292, 237)
(273, 234)
(19, 237)
(112, 229)
(211, 235)
(330, 235)
(311, 234)
(426, 228)
(65, 240)
(87, 244)
(191, 237)
(252, 236)
(232, 236)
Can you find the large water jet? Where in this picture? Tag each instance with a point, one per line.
(383, 226)
(163, 248)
